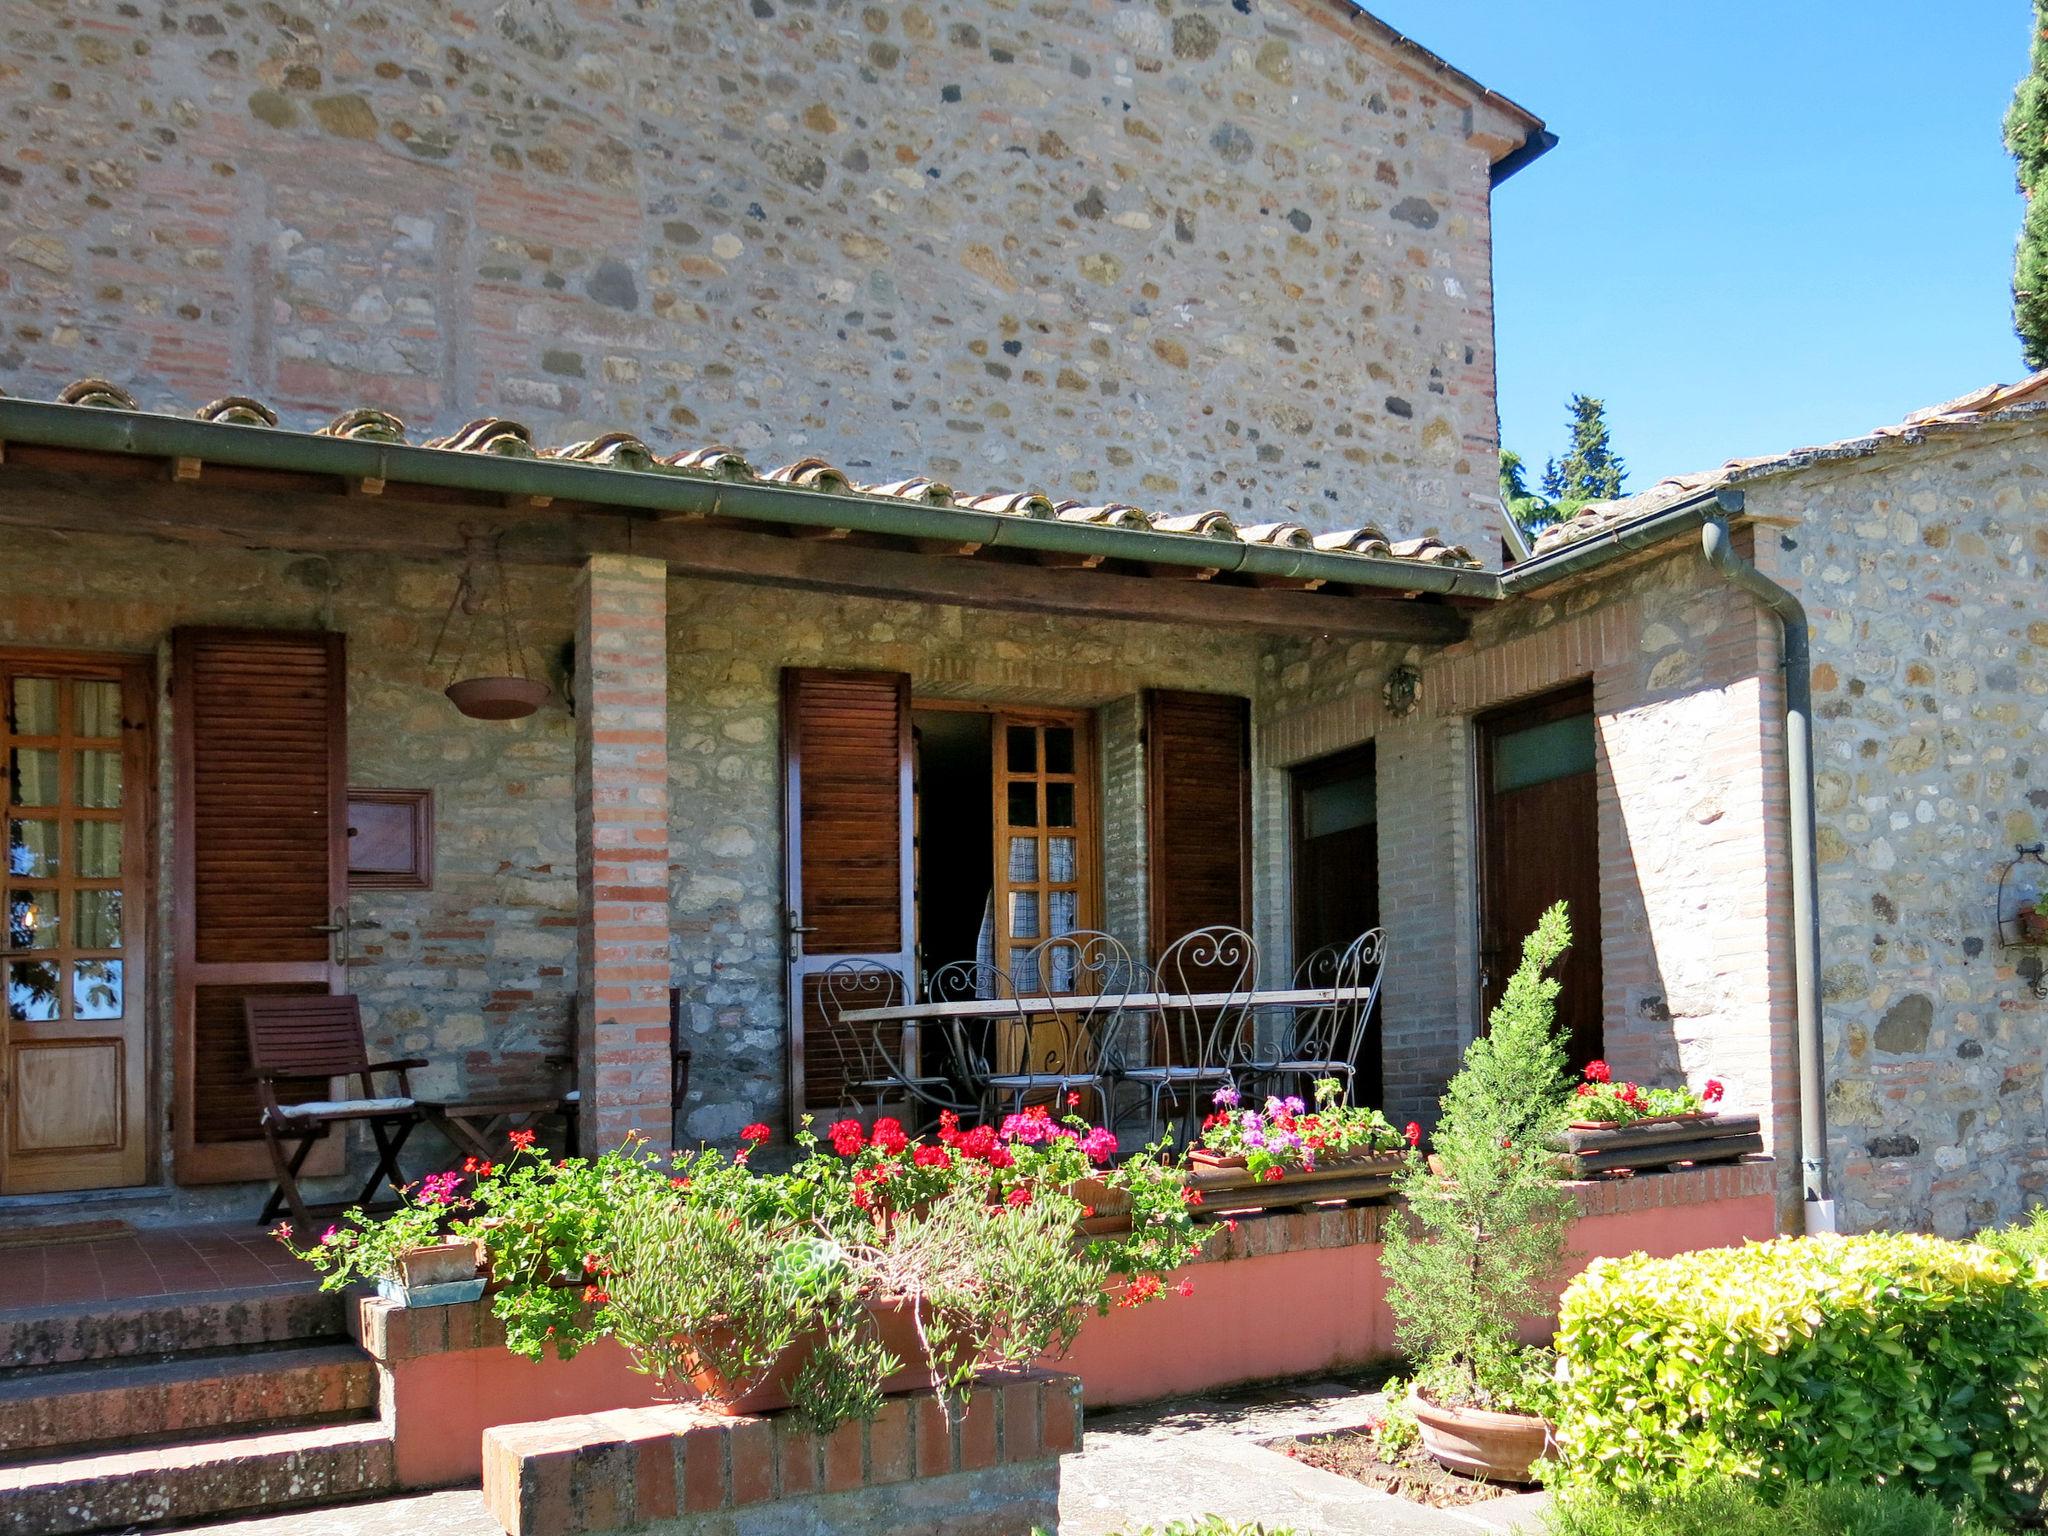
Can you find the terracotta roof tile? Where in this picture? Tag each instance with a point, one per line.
(1995, 402)
(627, 452)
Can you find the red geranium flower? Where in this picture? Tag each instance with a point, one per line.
(757, 1132)
(1599, 1072)
(1414, 1133)
(523, 1140)
(888, 1137)
(847, 1137)
(1711, 1094)
(1020, 1196)
(1185, 1288)
(932, 1157)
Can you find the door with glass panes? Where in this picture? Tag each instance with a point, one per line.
(74, 737)
(1045, 856)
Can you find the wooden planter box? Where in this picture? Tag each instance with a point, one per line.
(1229, 1188)
(1660, 1143)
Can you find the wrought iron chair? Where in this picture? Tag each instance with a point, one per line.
(867, 1061)
(963, 1041)
(1324, 1040)
(1198, 1048)
(1038, 1053)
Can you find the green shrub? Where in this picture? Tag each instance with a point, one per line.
(1893, 1358)
(2023, 1241)
(1727, 1508)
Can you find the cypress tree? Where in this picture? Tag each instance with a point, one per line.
(1592, 471)
(2026, 137)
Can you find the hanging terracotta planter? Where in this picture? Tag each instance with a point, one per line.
(510, 694)
(497, 698)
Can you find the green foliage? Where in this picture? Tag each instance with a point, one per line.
(1476, 1245)
(1590, 469)
(1889, 1357)
(1725, 1507)
(2026, 138)
(2025, 1242)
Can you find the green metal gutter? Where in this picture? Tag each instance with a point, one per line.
(681, 493)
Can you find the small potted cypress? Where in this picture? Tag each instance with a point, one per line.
(1480, 1238)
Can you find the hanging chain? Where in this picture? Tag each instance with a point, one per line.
(471, 596)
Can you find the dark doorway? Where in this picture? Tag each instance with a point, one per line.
(1337, 872)
(1539, 844)
(955, 834)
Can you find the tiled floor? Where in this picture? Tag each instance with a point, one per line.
(145, 1263)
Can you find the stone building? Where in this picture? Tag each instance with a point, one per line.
(1918, 551)
(1228, 263)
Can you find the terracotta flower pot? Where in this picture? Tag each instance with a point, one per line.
(775, 1387)
(497, 698)
(446, 1263)
(1479, 1441)
(1692, 1116)
(2033, 926)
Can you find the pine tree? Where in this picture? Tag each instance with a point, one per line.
(1514, 480)
(2026, 137)
(1532, 513)
(1592, 471)
(1553, 480)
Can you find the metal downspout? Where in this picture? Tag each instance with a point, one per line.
(1719, 548)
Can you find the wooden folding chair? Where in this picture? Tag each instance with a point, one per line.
(300, 1038)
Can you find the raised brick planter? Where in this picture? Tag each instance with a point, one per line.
(993, 1470)
(447, 1377)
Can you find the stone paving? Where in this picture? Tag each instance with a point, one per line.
(1141, 1467)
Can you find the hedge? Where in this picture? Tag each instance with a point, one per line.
(1888, 1358)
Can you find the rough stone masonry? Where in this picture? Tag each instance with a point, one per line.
(1191, 253)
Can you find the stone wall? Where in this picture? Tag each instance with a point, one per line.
(1188, 254)
(1921, 570)
(1693, 912)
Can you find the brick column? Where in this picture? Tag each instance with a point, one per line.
(622, 972)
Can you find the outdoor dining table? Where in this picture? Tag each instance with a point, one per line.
(1081, 1002)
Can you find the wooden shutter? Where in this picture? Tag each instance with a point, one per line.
(260, 727)
(1197, 812)
(847, 850)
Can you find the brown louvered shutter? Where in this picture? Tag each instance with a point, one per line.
(1197, 812)
(847, 847)
(260, 727)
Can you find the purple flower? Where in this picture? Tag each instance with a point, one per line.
(1294, 1104)
(1226, 1097)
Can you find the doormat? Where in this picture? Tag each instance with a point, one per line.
(69, 1232)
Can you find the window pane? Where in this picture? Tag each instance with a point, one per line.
(99, 920)
(1023, 914)
(1555, 750)
(99, 779)
(1059, 749)
(1023, 860)
(1023, 748)
(34, 772)
(32, 849)
(1340, 806)
(35, 706)
(1059, 805)
(96, 989)
(31, 920)
(97, 708)
(99, 849)
(1024, 804)
(31, 990)
(1064, 961)
(1060, 856)
(1023, 972)
(1064, 910)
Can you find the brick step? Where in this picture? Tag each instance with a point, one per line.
(162, 1325)
(163, 1483)
(74, 1408)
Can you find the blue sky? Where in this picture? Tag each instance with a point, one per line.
(1766, 225)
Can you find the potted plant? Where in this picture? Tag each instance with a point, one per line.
(413, 1255)
(2032, 923)
(1481, 1234)
(1286, 1136)
(1601, 1104)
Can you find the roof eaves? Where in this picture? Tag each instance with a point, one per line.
(492, 456)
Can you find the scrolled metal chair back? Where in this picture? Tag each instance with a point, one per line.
(859, 1056)
(1310, 1027)
(1361, 967)
(1218, 960)
(1084, 964)
(970, 1040)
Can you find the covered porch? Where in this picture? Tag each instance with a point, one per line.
(519, 901)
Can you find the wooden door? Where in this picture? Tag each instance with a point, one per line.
(1198, 813)
(848, 864)
(260, 725)
(74, 821)
(1337, 872)
(1539, 844)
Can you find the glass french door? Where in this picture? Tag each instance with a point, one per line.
(1045, 849)
(74, 740)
